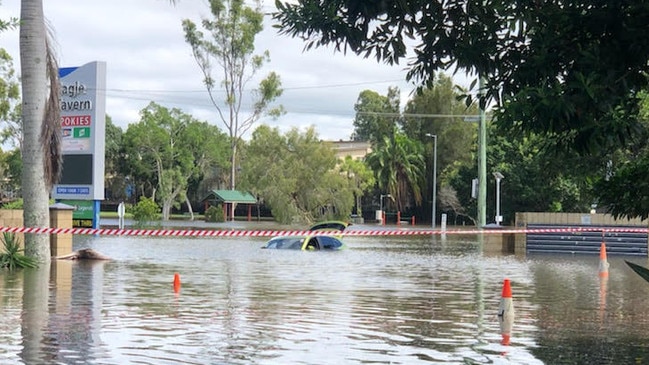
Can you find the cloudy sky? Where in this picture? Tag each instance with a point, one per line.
(147, 60)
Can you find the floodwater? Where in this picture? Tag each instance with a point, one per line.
(382, 300)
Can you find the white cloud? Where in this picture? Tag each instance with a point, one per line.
(147, 59)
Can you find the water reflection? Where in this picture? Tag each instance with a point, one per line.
(383, 300)
(583, 318)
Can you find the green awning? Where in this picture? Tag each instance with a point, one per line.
(231, 196)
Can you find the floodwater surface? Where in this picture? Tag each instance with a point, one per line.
(382, 300)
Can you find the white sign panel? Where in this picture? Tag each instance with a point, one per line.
(83, 132)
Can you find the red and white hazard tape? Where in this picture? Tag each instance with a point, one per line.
(272, 233)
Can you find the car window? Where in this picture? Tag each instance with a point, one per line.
(275, 243)
(286, 243)
(329, 243)
(313, 244)
(296, 244)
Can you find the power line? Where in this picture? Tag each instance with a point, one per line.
(470, 117)
(283, 88)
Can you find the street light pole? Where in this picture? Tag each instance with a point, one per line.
(498, 177)
(434, 210)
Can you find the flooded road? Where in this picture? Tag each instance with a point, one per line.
(382, 300)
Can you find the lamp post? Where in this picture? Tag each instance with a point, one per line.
(498, 177)
(383, 215)
(434, 210)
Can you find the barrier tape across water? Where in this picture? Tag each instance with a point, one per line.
(273, 233)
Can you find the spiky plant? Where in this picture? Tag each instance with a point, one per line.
(13, 258)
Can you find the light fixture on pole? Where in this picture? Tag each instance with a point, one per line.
(383, 215)
(498, 176)
(434, 210)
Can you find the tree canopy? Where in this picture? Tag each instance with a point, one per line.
(166, 148)
(550, 67)
(295, 175)
(376, 115)
(398, 165)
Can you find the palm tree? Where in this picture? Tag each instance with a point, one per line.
(398, 164)
(41, 117)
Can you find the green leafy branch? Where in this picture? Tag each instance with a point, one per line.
(13, 258)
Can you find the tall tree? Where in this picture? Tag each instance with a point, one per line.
(174, 147)
(430, 113)
(376, 115)
(398, 165)
(41, 125)
(229, 43)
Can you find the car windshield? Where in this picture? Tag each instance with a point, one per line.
(287, 243)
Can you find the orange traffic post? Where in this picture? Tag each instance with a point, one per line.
(176, 283)
(506, 312)
(603, 262)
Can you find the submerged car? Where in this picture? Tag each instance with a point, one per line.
(313, 242)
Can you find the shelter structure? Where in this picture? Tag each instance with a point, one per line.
(228, 197)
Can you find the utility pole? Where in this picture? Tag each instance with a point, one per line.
(482, 161)
(434, 210)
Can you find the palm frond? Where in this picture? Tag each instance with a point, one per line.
(51, 126)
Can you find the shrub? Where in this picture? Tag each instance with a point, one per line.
(16, 204)
(214, 214)
(12, 258)
(145, 212)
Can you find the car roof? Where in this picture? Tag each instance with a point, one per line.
(330, 225)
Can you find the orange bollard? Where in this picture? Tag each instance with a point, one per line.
(603, 263)
(176, 283)
(506, 312)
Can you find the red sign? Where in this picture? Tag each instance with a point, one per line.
(76, 121)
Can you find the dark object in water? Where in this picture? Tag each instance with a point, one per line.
(640, 270)
(83, 254)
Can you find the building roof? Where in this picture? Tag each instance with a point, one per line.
(231, 196)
